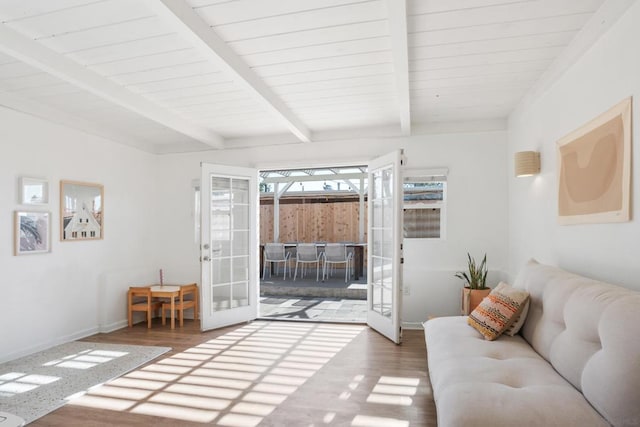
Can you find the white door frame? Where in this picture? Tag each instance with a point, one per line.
(384, 296)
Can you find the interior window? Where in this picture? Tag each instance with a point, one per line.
(424, 206)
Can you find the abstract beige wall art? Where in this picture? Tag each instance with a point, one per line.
(594, 169)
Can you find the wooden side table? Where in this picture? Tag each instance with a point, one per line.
(167, 291)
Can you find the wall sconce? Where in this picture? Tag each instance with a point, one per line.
(527, 163)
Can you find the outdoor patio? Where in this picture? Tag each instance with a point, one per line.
(307, 286)
(315, 206)
(331, 300)
(314, 309)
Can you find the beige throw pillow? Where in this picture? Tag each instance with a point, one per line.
(498, 310)
(517, 324)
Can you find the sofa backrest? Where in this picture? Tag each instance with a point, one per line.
(590, 332)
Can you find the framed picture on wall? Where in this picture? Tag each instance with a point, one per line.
(34, 191)
(81, 211)
(32, 231)
(594, 169)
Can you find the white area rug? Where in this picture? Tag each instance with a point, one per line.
(35, 385)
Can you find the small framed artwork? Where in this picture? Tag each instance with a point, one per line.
(32, 231)
(81, 211)
(34, 191)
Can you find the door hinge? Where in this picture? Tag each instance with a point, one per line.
(402, 260)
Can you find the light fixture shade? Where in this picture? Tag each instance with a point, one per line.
(527, 163)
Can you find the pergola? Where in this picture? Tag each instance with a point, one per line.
(354, 177)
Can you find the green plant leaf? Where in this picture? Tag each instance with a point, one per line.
(477, 273)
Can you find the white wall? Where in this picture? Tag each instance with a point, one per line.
(477, 206)
(606, 74)
(80, 286)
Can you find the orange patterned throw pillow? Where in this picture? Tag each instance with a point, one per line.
(498, 310)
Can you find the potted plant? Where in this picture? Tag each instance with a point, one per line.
(475, 288)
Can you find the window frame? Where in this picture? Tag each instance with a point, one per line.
(428, 176)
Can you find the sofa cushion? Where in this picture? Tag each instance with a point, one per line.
(498, 310)
(498, 383)
(588, 331)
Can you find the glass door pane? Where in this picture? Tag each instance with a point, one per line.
(229, 267)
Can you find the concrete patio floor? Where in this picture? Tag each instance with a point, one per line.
(314, 309)
(331, 300)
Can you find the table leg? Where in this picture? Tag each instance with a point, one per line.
(358, 267)
(196, 310)
(182, 313)
(173, 313)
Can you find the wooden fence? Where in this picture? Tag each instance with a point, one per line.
(327, 219)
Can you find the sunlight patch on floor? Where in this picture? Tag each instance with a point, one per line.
(91, 400)
(394, 391)
(86, 359)
(120, 392)
(238, 420)
(368, 421)
(233, 380)
(175, 412)
(13, 383)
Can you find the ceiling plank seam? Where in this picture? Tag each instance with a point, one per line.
(189, 24)
(33, 53)
(57, 116)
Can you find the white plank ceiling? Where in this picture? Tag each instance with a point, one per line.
(176, 75)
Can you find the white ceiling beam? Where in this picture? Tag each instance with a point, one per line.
(38, 56)
(188, 23)
(399, 47)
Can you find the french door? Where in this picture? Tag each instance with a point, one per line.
(384, 246)
(229, 242)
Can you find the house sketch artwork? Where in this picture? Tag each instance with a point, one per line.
(82, 224)
(81, 211)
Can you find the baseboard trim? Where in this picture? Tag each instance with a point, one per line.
(412, 325)
(114, 326)
(52, 343)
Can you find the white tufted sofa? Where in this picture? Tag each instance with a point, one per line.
(576, 361)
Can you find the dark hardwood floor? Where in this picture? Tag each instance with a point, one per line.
(262, 374)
